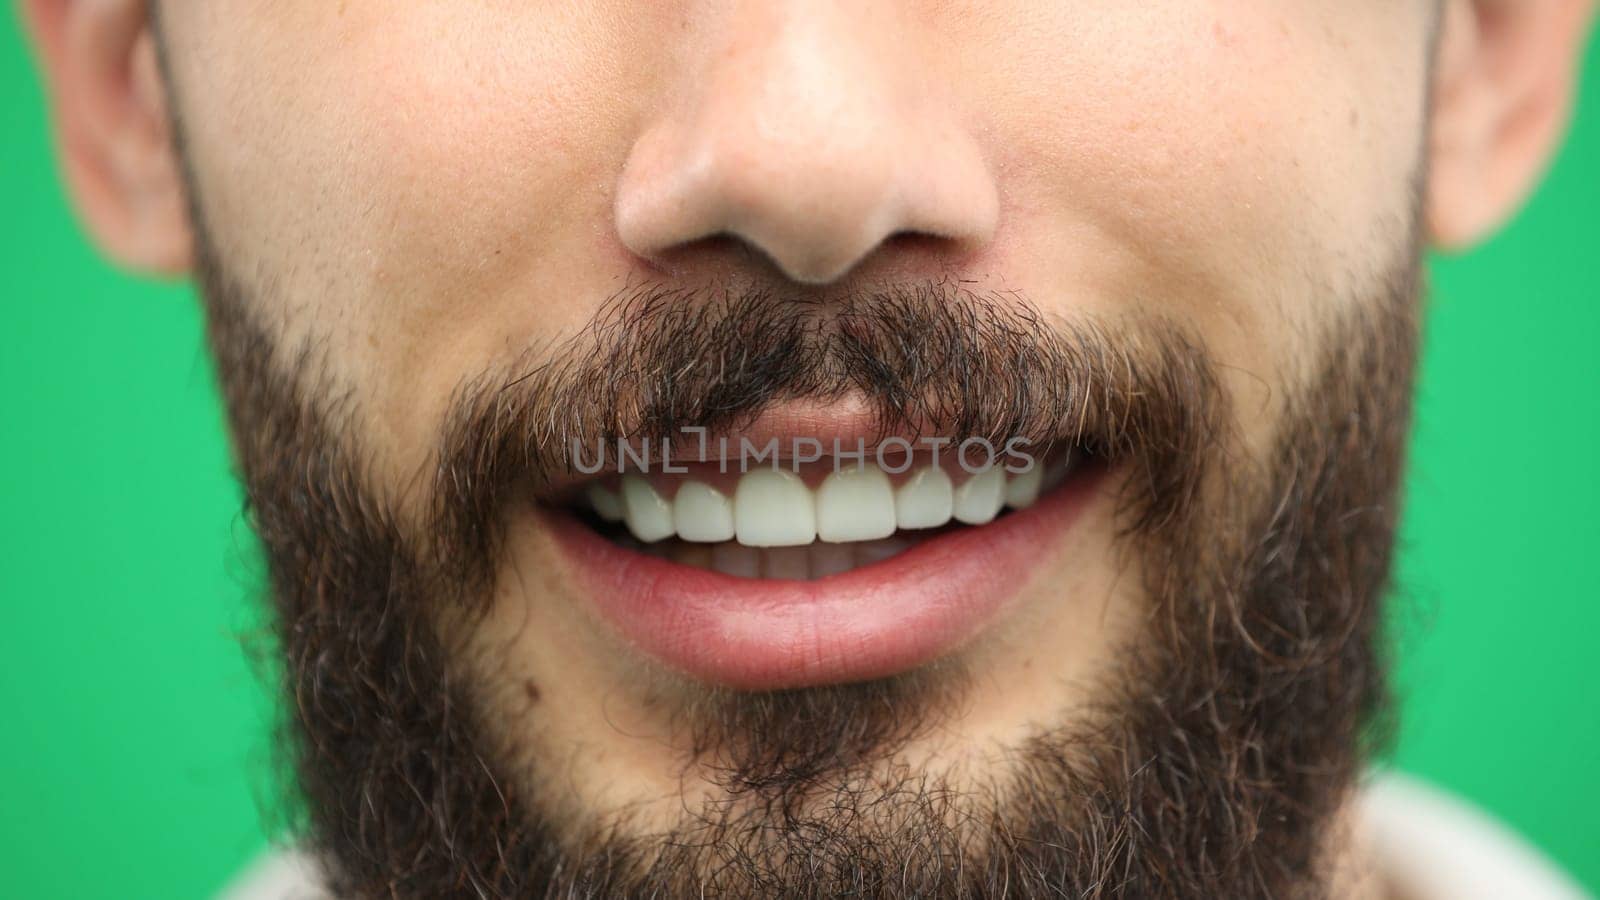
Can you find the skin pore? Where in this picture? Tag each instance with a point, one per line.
(1192, 227)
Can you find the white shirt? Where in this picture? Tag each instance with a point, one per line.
(1429, 846)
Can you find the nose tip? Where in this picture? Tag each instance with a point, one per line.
(810, 153)
(815, 212)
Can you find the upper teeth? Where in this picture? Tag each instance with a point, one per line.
(774, 507)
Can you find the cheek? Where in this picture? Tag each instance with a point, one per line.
(1240, 124)
(1243, 165)
(405, 187)
(482, 185)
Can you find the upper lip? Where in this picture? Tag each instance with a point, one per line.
(847, 425)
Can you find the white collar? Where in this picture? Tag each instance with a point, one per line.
(1429, 844)
(1432, 845)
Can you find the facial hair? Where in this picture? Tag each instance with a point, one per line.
(1211, 764)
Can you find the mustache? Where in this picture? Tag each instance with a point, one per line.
(928, 358)
(1247, 710)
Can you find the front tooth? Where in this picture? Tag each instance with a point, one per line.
(925, 501)
(702, 513)
(774, 508)
(978, 499)
(855, 505)
(1022, 490)
(649, 515)
(605, 503)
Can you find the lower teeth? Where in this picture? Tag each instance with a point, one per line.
(807, 563)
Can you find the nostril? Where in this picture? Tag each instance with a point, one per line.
(723, 254)
(922, 253)
(920, 244)
(811, 202)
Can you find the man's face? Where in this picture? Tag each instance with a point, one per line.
(428, 194)
(1169, 248)
(429, 208)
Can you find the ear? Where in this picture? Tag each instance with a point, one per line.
(114, 140)
(1503, 90)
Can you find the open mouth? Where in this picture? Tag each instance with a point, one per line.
(821, 521)
(783, 576)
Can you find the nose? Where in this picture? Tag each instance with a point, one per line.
(810, 131)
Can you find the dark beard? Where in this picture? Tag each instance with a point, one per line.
(1212, 764)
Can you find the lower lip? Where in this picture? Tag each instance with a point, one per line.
(871, 622)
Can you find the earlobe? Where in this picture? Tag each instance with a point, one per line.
(1503, 90)
(112, 130)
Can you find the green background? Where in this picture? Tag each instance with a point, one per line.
(133, 743)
